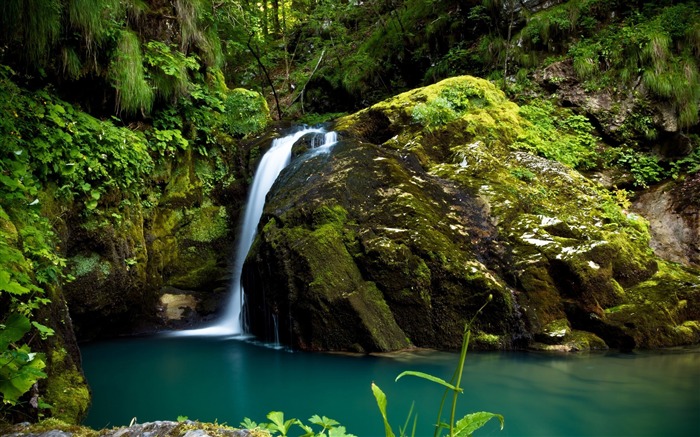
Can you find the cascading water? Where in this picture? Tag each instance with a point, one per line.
(271, 165)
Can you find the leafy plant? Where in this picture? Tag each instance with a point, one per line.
(559, 135)
(20, 368)
(245, 113)
(462, 427)
(169, 69)
(279, 426)
(645, 168)
(522, 173)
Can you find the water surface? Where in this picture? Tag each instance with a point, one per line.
(225, 380)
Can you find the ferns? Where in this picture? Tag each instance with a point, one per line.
(127, 76)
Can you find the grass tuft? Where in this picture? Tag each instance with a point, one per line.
(127, 75)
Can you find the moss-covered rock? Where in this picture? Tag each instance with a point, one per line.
(435, 198)
(127, 253)
(66, 388)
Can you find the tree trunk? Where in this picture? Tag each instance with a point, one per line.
(276, 17)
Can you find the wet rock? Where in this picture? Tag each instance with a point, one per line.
(55, 428)
(673, 212)
(401, 233)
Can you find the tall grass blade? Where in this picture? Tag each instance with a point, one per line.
(402, 430)
(429, 377)
(381, 403)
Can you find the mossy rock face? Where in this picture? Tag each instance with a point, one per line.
(126, 255)
(64, 387)
(433, 199)
(360, 239)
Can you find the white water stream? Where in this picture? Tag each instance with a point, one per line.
(231, 323)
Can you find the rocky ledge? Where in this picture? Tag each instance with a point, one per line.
(188, 428)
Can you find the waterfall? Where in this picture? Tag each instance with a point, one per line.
(271, 165)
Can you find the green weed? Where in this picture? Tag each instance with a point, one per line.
(462, 427)
(277, 425)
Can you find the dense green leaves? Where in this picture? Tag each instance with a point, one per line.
(281, 427)
(20, 368)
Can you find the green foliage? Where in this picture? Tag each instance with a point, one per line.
(281, 427)
(463, 427)
(523, 174)
(134, 93)
(92, 19)
(644, 167)
(659, 48)
(245, 113)
(20, 368)
(451, 103)
(84, 157)
(36, 23)
(559, 135)
(688, 164)
(437, 112)
(169, 70)
(167, 142)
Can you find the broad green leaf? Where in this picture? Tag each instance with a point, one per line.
(12, 287)
(276, 417)
(9, 182)
(308, 431)
(323, 421)
(429, 377)
(248, 424)
(471, 422)
(44, 330)
(15, 327)
(19, 371)
(339, 432)
(381, 403)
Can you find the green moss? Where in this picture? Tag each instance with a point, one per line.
(209, 223)
(53, 424)
(66, 389)
(93, 263)
(334, 214)
(483, 340)
(661, 309)
(184, 187)
(195, 268)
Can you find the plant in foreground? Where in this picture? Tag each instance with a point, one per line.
(463, 427)
(279, 426)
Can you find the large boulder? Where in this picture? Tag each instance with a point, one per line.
(430, 203)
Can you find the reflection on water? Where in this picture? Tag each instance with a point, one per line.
(641, 394)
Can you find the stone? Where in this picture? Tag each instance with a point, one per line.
(416, 217)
